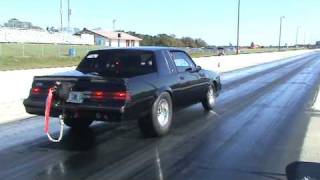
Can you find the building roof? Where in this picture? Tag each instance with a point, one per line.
(111, 34)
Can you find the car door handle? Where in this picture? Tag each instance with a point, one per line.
(181, 77)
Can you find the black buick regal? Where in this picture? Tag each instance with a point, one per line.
(144, 84)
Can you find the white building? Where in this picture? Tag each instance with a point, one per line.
(111, 39)
(14, 35)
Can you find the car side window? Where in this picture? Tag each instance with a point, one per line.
(170, 64)
(182, 61)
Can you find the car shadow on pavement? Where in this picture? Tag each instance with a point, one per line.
(79, 140)
(102, 132)
(84, 139)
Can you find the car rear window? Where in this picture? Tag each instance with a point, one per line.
(118, 63)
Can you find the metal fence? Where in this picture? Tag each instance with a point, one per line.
(63, 50)
(43, 50)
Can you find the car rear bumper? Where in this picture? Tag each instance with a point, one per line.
(81, 110)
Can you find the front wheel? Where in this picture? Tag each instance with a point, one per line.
(77, 123)
(158, 122)
(209, 101)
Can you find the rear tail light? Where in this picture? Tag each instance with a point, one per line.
(120, 96)
(98, 95)
(36, 90)
(101, 95)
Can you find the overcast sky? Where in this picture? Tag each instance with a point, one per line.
(212, 20)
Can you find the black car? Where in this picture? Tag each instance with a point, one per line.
(146, 84)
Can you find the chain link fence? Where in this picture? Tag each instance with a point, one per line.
(43, 50)
(63, 50)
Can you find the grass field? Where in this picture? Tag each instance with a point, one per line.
(242, 51)
(15, 56)
(42, 50)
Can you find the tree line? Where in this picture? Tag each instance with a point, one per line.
(169, 40)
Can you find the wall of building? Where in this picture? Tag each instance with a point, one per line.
(123, 43)
(114, 43)
(87, 38)
(40, 36)
(101, 41)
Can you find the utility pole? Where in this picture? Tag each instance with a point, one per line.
(61, 22)
(114, 25)
(297, 35)
(119, 36)
(69, 14)
(280, 33)
(238, 27)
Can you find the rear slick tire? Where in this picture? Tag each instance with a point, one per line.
(209, 101)
(158, 122)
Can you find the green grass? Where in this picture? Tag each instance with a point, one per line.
(15, 56)
(16, 63)
(258, 50)
(263, 50)
(242, 51)
(42, 50)
(202, 54)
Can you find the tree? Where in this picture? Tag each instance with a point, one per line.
(189, 42)
(200, 43)
(168, 40)
(16, 23)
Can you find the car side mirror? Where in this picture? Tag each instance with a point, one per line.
(198, 68)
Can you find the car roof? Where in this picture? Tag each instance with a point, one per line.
(142, 48)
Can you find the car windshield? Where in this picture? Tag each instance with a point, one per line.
(118, 63)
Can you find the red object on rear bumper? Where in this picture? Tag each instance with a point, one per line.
(48, 109)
